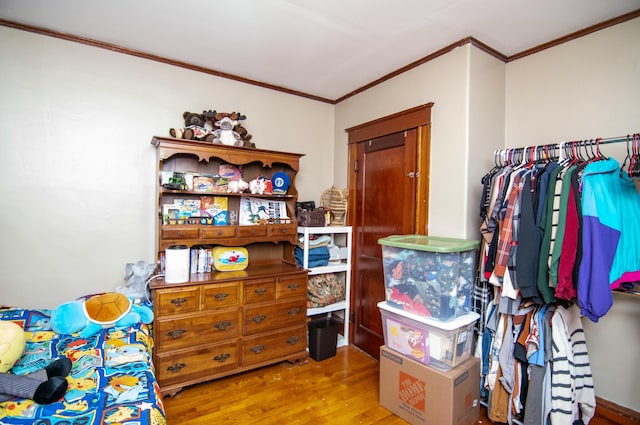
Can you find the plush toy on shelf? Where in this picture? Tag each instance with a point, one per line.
(225, 135)
(43, 386)
(195, 128)
(237, 186)
(229, 122)
(98, 312)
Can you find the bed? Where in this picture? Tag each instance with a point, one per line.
(112, 380)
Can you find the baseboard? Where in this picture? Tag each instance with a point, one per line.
(615, 413)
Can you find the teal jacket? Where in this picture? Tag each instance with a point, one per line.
(610, 234)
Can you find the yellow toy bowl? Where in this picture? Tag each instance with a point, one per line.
(227, 259)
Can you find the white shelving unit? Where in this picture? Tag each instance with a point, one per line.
(342, 237)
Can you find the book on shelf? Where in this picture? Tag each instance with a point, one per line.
(262, 211)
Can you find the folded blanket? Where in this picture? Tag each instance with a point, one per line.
(315, 241)
(317, 256)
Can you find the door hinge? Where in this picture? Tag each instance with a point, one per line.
(413, 174)
(355, 166)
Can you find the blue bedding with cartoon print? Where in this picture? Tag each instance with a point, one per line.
(112, 380)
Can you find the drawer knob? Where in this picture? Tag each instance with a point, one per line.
(178, 301)
(181, 234)
(258, 319)
(221, 358)
(175, 368)
(260, 291)
(293, 286)
(222, 325)
(258, 348)
(293, 340)
(175, 334)
(294, 311)
(221, 296)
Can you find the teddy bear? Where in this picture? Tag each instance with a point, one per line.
(98, 312)
(43, 386)
(213, 117)
(195, 128)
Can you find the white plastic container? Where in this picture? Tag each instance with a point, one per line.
(176, 266)
(440, 344)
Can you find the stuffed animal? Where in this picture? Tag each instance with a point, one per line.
(98, 312)
(136, 274)
(43, 386)
(259, 185)
(194, 128)
(12, 342)
(225, 135)
(214, 117)
(237, 186)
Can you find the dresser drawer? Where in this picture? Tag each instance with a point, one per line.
(179, 232)
(220, 295)
(281, 343)
(256, 291)
(218, 232)
(176, 301)
(251, 231)
(273, 316)
(292, 286)
(194, 364)
(283, 230)
(171, 334)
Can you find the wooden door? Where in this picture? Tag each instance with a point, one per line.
(388, 193)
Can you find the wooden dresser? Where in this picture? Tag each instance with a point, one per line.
(221, 323)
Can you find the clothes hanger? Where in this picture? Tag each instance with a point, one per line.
(634, 165)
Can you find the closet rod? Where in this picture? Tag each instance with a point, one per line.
(601, 141)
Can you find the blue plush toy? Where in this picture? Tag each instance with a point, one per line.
(96, 313)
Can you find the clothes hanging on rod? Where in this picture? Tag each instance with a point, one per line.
(535, 231)
(559, 226)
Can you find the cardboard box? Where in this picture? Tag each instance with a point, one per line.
(423, 395)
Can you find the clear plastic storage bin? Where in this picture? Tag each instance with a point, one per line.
(429, 276)
(440, 344)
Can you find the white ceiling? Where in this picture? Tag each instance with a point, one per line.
(325, 48)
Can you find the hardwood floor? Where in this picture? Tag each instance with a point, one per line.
(339, 390)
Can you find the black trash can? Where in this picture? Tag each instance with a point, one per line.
(323, 337)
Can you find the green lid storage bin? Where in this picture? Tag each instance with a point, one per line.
(428, 275)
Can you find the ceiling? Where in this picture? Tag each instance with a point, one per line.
(323, 48)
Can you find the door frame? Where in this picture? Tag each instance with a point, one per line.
(418, 118)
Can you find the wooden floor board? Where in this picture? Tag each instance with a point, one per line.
(339, 390)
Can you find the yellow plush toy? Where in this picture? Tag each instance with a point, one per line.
(12, 342)
(43, 386)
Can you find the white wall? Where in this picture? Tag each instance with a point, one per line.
(486, 109)
(78, 170)
(443, 81)
(584, 89)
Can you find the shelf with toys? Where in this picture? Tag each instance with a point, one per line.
(224, 195)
